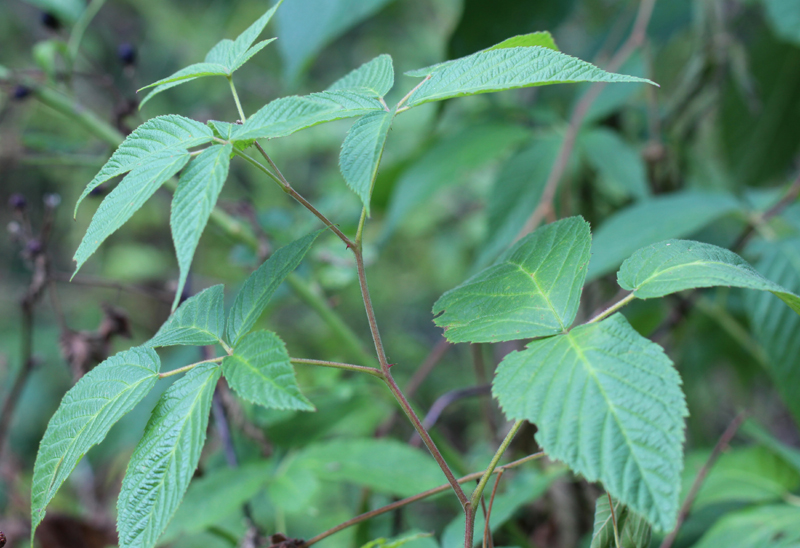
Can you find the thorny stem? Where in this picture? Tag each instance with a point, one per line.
(189, 367)
(613, 308)
(338, 365)
(425, 494)
(476, 495)
(613, 520)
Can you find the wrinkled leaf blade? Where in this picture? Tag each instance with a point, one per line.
(259, 371)
(165, 459)
(84, 417)
(240, 50)
(632, 439)
(533, 290)
(634, 531)
(197, 70)
(361, 153)
(199, 321)
(374, 78)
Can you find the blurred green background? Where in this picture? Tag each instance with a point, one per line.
(697, 157)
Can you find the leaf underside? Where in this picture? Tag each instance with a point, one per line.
(361, 153)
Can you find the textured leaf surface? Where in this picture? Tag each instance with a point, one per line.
(533, 290)
(775, 326)
(634, 531)
(776, 526)
(147, 142)
(307, 26)
(130, 195)
(260, 371)
(608, 403)
(619, 165)
(667, 216)
(509, 68)
(222, 60)
(199, 321)
(194, 199)
(84, 417)
(361, 153)
(259, 287)
(374, 78)
(164, 461)
(674, 265)
(286, 115)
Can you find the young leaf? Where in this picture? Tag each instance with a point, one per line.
(509, 68)
(222, 60)
(619, 165)
(395, 543)
(148, 141)
(632, 439)
(634, 531)
(165, 459)
(532, 291)
(284, 116)
(259, 287)
(361, 153)
(674, 265)
(673, 215)
(259, 371)
(373, 78)
(84, 417)
(771, 526)
(199, 321)
(195, 197)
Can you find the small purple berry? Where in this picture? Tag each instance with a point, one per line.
(127, 54)
(21, 92)
(34, 246)
(50, 21)
(17, 202)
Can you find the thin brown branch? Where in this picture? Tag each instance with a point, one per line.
(545, 208)
(405, 502)
(488, 541)
(790, 196)
(722, 444)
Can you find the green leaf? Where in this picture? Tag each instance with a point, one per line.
(790, 455)
(361, 153)
(199, 321)
(395, 543)
(619, 165)
(259, 371)
(307, 26)
(631, 437)
(259, 287)
(229, 488)
(84, 417)
(532, 291)
(194, 199)
(784, 18)
(775, 326)
(448, 162)
(674, 265)
(509, 68)
(284, 116)
(374, 78)
(776, 526)
(667, 216)
(148, 142)
(165, 459)
(633, 529)
(383, 465)
(223, 59)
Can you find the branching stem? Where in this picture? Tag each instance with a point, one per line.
(338, 365)
(476, 495)
(189, 367)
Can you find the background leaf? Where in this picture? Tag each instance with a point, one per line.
(199, 321)
(84, 417)
(165, 459)
(259, 287)
(776, 525)
(259, 371)
(533, 290)
(361, 153)
(632, 440)
(617, 163)
(195, 197)
(634, 531)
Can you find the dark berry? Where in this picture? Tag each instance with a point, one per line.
(50, 21)
(99, 190)
(34, 246)
(20, 92)
(127, 54)
(17, 202)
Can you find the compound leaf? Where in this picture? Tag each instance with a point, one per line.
(608, 403)
(533, 290)
(130, 195)
(634, 531)
(84, 417)
(674, 265)
(259, 287)
(509, 68)
(361, 153)
(147, 141)
(199, 321)
(374, 78)
(259, 371)
(194, 199)
(164, 461)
